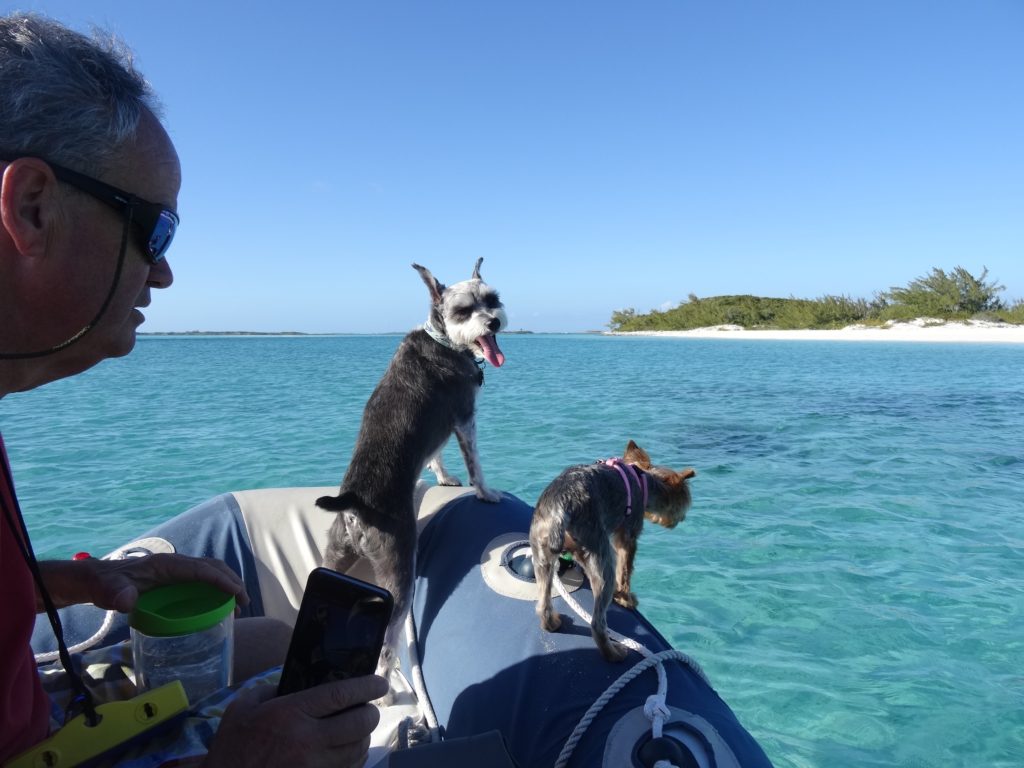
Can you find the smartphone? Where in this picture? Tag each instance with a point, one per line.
(339, 631)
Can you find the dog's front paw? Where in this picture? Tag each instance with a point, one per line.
(486, 494)
(451, 482)
(626, 599)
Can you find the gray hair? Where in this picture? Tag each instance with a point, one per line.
(67, 97)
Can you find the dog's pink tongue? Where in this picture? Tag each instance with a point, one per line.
(489, 346)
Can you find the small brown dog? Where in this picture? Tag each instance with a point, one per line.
(596, 512)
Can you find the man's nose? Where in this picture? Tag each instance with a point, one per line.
(160, 274)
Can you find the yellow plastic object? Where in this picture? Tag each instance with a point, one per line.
(122, 724)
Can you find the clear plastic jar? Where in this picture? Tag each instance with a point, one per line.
(183, 632)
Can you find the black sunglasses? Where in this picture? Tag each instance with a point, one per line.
(156, 222)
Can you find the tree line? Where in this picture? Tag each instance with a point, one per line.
(954, 295)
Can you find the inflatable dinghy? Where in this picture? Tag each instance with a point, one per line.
(481, 684)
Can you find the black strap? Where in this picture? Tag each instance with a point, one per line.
(82, 700)
(103, 309)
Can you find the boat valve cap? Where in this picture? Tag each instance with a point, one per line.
(522, 566)
(666, 748)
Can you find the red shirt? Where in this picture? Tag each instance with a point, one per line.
(24, 705)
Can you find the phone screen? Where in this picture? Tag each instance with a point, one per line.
(338, 633)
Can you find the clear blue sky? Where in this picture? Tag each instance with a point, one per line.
(598, 155)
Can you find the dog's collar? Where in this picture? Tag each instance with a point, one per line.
(444, 341)
(437, 336)
(640, 477)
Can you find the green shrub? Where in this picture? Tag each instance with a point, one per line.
(957, 295)
(1012, 314)
(746, 311)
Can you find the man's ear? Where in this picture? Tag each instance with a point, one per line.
(28, 204)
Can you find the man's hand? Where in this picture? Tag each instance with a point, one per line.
(117, 584)
(328, 725)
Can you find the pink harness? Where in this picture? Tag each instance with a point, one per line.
(640, 477)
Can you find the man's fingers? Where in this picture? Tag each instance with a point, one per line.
(125, 599)
(352, 755)
(353, 724)
(168, 568)
(331, 698)
(218, 573)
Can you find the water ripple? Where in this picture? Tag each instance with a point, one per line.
(851, 575)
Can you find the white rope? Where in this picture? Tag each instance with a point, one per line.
(627, 641)
(418, 685)
(655, 708)
(102, 632)
(108, 622)
(595, 708)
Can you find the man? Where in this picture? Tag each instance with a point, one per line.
(88, 198)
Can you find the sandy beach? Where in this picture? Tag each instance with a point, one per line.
(921, 330)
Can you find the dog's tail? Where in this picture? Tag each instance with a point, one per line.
(339, 503)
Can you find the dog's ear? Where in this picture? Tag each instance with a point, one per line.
(687, 473)
(636, 455)
(433, 284)
(476, 269)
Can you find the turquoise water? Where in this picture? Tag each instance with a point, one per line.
(851, 575)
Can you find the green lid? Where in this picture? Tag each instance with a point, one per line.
(180, 609)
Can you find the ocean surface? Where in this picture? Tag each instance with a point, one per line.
(851, 574)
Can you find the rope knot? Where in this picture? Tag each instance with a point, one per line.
(655, 708)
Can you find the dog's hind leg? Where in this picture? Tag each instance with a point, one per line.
(625, 552)
(436, 465)
(600, 569)
(340, 555)
(466, 435)
(389, 659)
(394, 569)
(544, 565)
